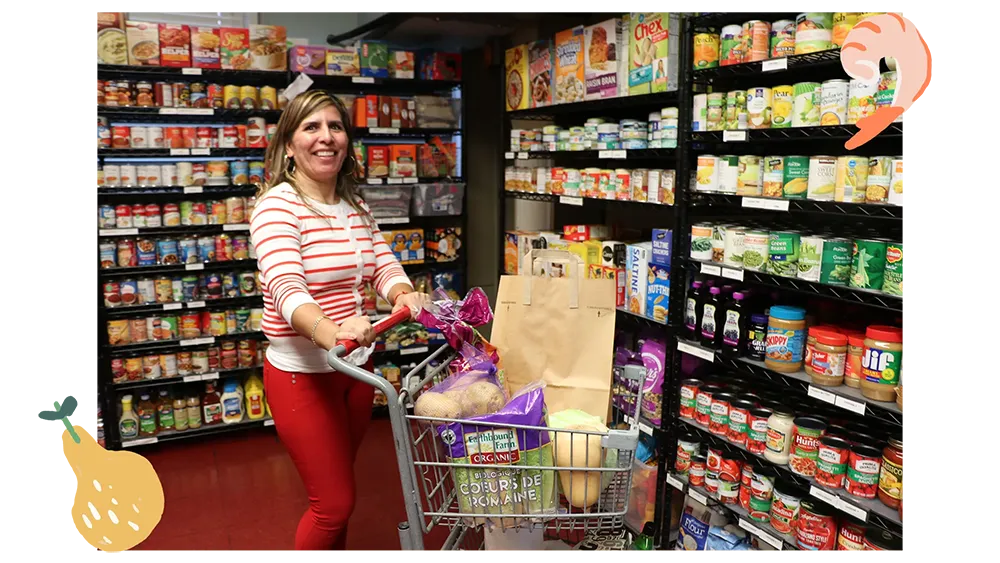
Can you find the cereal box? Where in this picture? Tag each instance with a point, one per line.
(569, 67)
(637, 272)
(662, 240)
(401, 64)
(308, 59)
(540, 73)
(175, 45)
(205, 47)
(374, 59)
(342, 61)
(443, 244)
(143, 43)
(268, 47)
(234, 48)
(378, 161)
(112, 46)
(516, 84)
(407, 245)
(649, 46)
(402, 161)
(604, 45)
(657, 292)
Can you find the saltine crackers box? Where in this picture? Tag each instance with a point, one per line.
(636, 274)
(652, 54)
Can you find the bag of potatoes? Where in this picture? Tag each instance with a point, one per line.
(575, 449)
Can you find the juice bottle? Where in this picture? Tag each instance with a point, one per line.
(692, 312)
(211, 405)
(710, 317)
(232, 403)
(254, 390)
(194, 412)
(180, 414)
(128, 424)
(147, 415)
(165, 411)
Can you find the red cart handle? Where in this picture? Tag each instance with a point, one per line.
(381, 326)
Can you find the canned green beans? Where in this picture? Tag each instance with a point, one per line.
(783, 253)
(868, 264)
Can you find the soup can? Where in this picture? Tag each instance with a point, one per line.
(190, 326)
(761, 490)
(168, 365)
(139, 137)
(188, 247)
(163, 290)
(241, 135)
(272, 130)
(231, 96)
(227, 137)
(128, 176)
(241, 247)
(146, 288)
(118, 373)
(156, 140)
(217, 169)
(112, 175)
(108, 254)
(121, 137)
(249, 97)
(137, 330)
(129, 292)
(268, 98)
(256, 132)
(126, 253)
(256, 172)
(240, 171)
(133, 367)
(217, 323)
(185, 174)
(123, 216)
(146, 250)
(230, 285)
(243, 319)
(213, 358)
(112, 294)
(206, 248)
(168, 175)
(103, 132)
(199, 362)
(169, 327)
(173, 138)
(171, 215)
(218, 214)
(199, 176)
(235, 208)
(166, 250)
(184, 363)
(203, 137)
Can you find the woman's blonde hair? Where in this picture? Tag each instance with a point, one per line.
(278, 168)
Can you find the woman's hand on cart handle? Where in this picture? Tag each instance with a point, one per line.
(381, 326)
(412, 301)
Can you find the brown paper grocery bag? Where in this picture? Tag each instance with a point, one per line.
(559, 330)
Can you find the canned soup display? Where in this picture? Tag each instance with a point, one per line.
(180, 288)
(227, 355)
(255, 133)
(182, 94)
(131, 252)
(181, 173)
(183, 326)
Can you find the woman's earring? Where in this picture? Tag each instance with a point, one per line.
(291, 162)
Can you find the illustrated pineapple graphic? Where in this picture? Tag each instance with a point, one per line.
(119, 499)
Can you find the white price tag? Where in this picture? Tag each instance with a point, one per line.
(236, 227)
(734, 136)
(384, 130)
(363, 79)
(508, 155)
(194, 189)
(172, 306)
(570, 200)
(410, 351)
(394, 221)
(616, 154)
(851, 405)
(269, 422)
(375, 181)
(824, 496)
(675, 482)
(711, 270)
(645, 428)
(768, 538)
(180, 152)
(196, 304)
(394, 181)
(198, 341)
(195, 111)
(193, 267)
(117, 232)
(707, 355)
(410, 180)
(190, 71)
(854, 511)
(522, 156)
(168, 111)
(766, 203)
(140, 442)
(201, 152)
(210, 376)
(774, 64)
(190, 378)
(822, 395)
(698, 496)
(732, 274)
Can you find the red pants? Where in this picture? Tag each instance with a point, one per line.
(321, 419)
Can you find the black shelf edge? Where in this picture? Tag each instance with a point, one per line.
(719, 19)
(532, 196)
(177, 268)
(391, 132)
(180, 379)
(371, 85)
(822, 132)
(630, 154)
(384, 182)
(658, 100)
(828, 57)
(876, 512)
(653, 323)
(169, 345)
(105, 192)
(209, 304)
(162, 153)
(271, 77)
(861, 210)
(152, 114)
(233, 228)
(204, 430)
(888, 412)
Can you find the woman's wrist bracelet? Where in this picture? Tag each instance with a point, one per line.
(315, 326)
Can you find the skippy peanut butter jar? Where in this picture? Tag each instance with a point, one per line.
(119, 499)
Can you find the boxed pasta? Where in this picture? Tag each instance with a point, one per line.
(112, 46)
(402, 161)
(442, 245)
(540, 73)
(516, 83)
(652, 55)
(268, 47)
(175, 45)
(384, 111)
(143, 43)
(378, 161)
(308, 59)
(401, 64)
(569, 66)
(605, 45)
(342, 61)
(234, 48)
(205, 47)
(374, 59)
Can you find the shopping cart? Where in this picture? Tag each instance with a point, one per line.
(428, 479)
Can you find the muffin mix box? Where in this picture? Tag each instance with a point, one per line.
(342, 61)
(652, 54)
(205, 47)
(604, 49)
(143, 40)
(517, 73)
(402, 64)
(540, 73)
(268, 47)
(175, 45)
(112, 47)
(568, 85)
(234, 48)
(307, 59)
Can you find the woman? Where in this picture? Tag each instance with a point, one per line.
(317, 247)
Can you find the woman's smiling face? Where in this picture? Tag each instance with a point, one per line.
(319, 145)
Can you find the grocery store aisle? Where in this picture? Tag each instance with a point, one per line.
(241, 491)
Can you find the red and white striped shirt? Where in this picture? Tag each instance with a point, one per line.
(326, 260)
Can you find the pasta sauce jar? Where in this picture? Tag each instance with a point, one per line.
(815, 529)
(863, 466)
(890, 482)
(703, 407)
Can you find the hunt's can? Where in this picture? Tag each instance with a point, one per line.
(806, 104)
(868, 264)
(795, 179)
(782, 38)
(851, 183)
(843, 23)
(231, 96)
(774, 170)
(861, 100)
(731, 41)
(756, 40)
(833, 102)
(249, 97)
(822, 178)
(759, 108)
(268, 98)
(813, 32)
(781, 106)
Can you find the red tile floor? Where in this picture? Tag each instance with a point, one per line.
(240, 491)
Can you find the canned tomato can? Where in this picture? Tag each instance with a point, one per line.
(712, 465)
(229, 355)
(247, 353)
(864, 464)
(190, 326)
(188, 248)
(223, 247)
(831, 462)
(168, 365)
(688, 446)
(851, 536)
(138, 137)
(689, 401)
(199, 362)
(703, 404)
(730, 468)
(249, 97)
(256, 172)
(147, 290)
(785, 502)
(126, 253)
(184, 365)
(243, 320)
(235, 209)
(231, 96)
(137, 330)
(215, 95)
(729, 490)
(166, 250)
(806, 435)
(206, 248)
(761, 490)
(746, 479)
(146, 249)
(133, 368)
(696, 473)
(217, 323)
(227, 137)
(240, 172)
(154, 217)
(199, 95)
(163, 94)
(739, 418)
(718, 423)
(181, 94)
(112, 294)
(171, 215)
(815, 528)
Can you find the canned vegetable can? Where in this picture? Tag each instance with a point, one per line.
(879, 179)
(822, 178)
(893, 277)
(806, 104)
(782, 98)
(783, 254)
(756, 249)
(851, 183)
(813, 32)
(729, 174)
(868, 264)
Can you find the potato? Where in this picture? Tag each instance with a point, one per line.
(581, 488)
(480, 398)
(437, 405)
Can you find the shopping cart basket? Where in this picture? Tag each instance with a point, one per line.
(429, 480)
